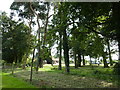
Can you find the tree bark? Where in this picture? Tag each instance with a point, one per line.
(60, 50)
(46, 24)
(104, 61)
(75, 59)
(79, 60)
(32, 66)
(24, 61)
(40, 61)
(116, 23)
(13, 68)
(109, 52)
(90, 61)
(119, 50)
(66, 50)
(83, 60)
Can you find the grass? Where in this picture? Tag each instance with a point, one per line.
(87, 71)
(8, 81)
(83, 77)
(100, 72)
(96, 72)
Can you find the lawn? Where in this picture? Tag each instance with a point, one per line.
(83, 77)
(9, 81)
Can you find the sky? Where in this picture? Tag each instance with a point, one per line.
(5, 5)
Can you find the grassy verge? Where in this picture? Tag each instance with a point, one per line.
(8, 81)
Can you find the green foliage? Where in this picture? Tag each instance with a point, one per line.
(116, 72)
(84, 28)
(2, 61)
(16, 39)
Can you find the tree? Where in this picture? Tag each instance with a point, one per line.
(109, 52)
(15, 38)
(34, 11)
(23, 14)
(60, 51)
(32, 66)
(63, 8)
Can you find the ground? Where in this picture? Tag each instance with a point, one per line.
(9, 81)
(49, 77)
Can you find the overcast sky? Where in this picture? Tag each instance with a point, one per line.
(5, 5)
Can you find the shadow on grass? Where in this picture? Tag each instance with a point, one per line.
(51, 77)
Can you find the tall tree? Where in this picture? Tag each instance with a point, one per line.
(60, 52)
(24, 14)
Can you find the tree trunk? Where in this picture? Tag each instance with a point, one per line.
(24, 61)
(66, 50)
(46, 24)
(119, 50)
(95, 60)
(45, 33)
(109, 52)
(74, 52)
(40, 61)
(90, 61)
(75, 59)
(17, 64)
(32, 66)
(116, 23)
(104, 61)
(83, 60)
(79, 60)
(13, 68)
(60, 49)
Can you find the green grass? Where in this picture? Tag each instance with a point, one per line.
(8, 81)
(87, 71)
(86, 76)
(98, 72)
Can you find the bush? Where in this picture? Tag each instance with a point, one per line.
(116, 70)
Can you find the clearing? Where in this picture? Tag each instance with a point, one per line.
(49, 77)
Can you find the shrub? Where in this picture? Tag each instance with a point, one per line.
(116, 70)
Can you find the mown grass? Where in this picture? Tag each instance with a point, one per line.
(87, 71)
(8, 81)
(99, 73)
(45, 79)
(96, 72)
